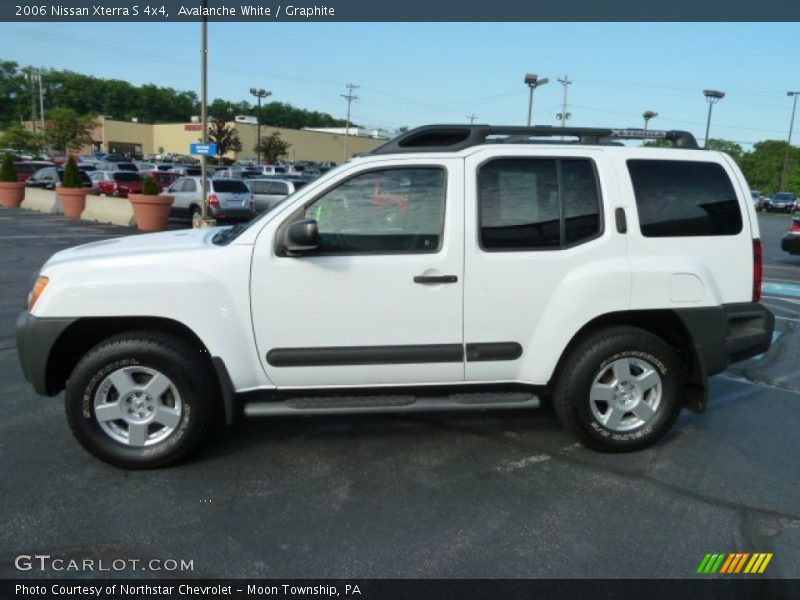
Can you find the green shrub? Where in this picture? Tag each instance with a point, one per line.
(8, 172)
(150, 187)
(72, 175)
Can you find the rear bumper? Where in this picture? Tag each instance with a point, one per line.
(35, 341)
(726, 334)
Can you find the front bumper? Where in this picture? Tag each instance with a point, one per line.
(35, 340)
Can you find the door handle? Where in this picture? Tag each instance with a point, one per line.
(431, 279)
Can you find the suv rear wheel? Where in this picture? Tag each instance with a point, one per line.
(620, 389)
(140, 400)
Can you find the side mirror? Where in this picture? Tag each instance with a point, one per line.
(302, 236)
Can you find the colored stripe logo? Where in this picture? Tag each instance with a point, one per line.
(734, 563)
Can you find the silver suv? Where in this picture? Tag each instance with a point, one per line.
(227, 198)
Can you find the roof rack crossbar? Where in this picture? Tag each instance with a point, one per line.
(451, 138)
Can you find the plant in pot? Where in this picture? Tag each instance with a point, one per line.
(12, 191)
(71, 190)
(151, 208)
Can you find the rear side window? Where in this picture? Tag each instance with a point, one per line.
(126, 176)
(678, 198)
(537, 203)
(230, 186)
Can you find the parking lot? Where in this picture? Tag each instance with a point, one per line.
(496, 495)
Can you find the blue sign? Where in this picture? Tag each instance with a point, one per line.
(203, 149)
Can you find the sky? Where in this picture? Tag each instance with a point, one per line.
(422, 73)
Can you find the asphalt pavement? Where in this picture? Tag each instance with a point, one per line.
(498, 495)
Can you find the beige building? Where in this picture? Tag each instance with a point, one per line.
(140, 138)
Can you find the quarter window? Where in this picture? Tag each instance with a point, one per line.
(530, 204)
(678, 198)
(386, 211)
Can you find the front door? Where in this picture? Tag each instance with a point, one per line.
(380, 301)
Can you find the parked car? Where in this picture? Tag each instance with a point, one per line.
(791, 240)
(272, 170)
(268, 193)
(49, 177)
(117, 183)
(26, 168)
(164, 179)
(782, 201)
(184, 171)
(615, 280)
(227, 198)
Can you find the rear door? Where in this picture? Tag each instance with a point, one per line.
(542, 257)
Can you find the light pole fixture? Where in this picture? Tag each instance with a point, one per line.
(712, 96)
(532, 81)
(785, 170)
(260, 94)
(647, 115)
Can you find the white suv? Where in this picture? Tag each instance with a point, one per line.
(455, 267)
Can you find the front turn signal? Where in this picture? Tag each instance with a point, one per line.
(37, 290)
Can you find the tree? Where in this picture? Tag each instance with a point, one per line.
(224, 136)
(22, 140)
(731, 148)
(66, 130)
(763, 166)
(272, 147)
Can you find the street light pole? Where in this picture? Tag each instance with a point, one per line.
(712, 96)
(647, 115)
(785, 170)
(259, 93)
(532, 81)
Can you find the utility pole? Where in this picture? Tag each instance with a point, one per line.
(472, 118)
(31, 79)
(785, 171)
(41, 101)
(204, 220)
(259, 93)
(564, 115)
(349, 96)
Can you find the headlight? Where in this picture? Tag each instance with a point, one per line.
(37, 290)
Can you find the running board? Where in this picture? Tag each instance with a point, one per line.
(333, 405)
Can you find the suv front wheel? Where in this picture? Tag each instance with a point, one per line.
(620, 389)
(140, 400)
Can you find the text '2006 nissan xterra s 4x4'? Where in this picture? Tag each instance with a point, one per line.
(454, 267)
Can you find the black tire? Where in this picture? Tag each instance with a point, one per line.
(195, 211)
(182, 365)
(595, 356)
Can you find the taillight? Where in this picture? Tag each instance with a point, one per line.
(252, 202)
(758, 270)
(794, 226)
(213, 200)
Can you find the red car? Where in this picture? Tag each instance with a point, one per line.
(26, 168)
(117, 183)
(163, 178)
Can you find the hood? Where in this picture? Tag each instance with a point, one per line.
(137, 245)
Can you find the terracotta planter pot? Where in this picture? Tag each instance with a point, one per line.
(12, 193)
(152, 212)
(73, 200)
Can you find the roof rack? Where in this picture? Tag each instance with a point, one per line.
(450, 138)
